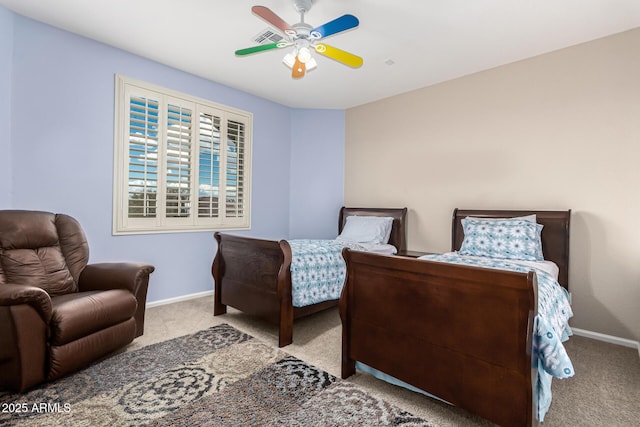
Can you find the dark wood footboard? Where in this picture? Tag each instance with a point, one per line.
(253, 276)
(463, 334)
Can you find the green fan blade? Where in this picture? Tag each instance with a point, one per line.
(259, 48)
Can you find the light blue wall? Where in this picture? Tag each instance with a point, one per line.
(6, 60)
(62, 120)
(317, 172)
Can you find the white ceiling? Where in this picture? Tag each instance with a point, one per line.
(429, 41)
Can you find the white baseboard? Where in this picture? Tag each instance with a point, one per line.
(179, 299)
(607, 338)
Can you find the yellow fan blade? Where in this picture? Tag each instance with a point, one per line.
(298, 69)
(339, 55)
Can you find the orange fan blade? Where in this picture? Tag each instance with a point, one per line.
(298, 69)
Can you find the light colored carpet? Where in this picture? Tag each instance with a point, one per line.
(215, 377)
(604, 392)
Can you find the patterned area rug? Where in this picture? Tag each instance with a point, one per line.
(215, 377)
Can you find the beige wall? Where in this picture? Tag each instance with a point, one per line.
(558, 131)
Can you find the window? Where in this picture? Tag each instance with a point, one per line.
(180, 164)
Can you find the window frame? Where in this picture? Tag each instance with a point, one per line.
(125, 88)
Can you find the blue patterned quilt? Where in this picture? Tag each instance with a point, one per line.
(317, 270)
(552, 323)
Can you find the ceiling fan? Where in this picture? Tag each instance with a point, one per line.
(304, 38)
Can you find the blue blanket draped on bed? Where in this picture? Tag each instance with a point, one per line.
(551, 328)
(317, 270)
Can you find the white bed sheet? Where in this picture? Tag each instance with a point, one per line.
(384, 249)
(549, 267)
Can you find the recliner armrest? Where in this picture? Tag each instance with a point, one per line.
(123, 275)
(114, 275)
(36, 297)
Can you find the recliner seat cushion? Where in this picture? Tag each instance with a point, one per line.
(82, 313)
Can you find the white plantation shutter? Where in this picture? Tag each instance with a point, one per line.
(178, 162)
(235, 169)
(181, 163)
(209, 158)
(142, 186)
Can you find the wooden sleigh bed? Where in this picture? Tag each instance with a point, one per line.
(417, 321)
(253, 275)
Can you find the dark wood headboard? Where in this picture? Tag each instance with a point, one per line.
(555, 233)
(398, 236)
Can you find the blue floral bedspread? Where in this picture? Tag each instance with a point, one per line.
(317, 270)
(550, 330)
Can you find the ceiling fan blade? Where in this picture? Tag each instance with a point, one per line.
(343, 23)
(339, 55)
(273, 19)
(261, 48)
(298, 69)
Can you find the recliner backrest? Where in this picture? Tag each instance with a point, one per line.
(42, 249)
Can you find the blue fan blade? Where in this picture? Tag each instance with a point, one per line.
(345, 22)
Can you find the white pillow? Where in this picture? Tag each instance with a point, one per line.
(367, 229)
(530, 218)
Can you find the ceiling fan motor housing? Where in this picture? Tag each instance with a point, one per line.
(302, 6)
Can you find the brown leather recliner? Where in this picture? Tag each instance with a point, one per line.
(58, 313)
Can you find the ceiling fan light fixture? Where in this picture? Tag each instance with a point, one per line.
(290, 59)
(311, 64)
(304, 54)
